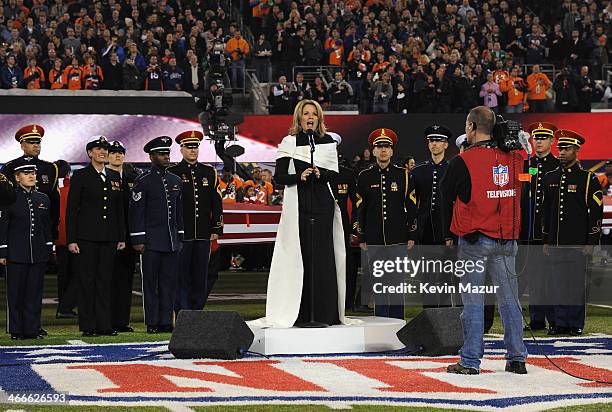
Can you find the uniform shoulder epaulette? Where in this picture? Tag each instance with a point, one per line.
(419, 165)
(367, 168)
(143, 175)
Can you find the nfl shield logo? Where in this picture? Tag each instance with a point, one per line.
(500, 175)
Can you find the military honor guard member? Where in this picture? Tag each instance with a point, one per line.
(386, 204)
(202, 220)
(427, 177)
(95, 230)
(7, 191)
(125, 259)
(25, 247)
(573, 209)
(30, 137)
(156, 231)
(542, 135)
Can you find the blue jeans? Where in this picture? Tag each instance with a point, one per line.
(518, 108)
(499, 263)
(237, 72)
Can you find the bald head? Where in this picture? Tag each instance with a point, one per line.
(483, 118)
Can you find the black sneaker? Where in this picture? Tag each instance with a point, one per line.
(109, 332)
(461, 370)
(575, 331)
(42, 332)
(66, 315)
(124, 329)
(89, 334)
(557, 330)
(516, 367)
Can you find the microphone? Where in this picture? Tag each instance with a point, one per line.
(524, 141)
(311, 141)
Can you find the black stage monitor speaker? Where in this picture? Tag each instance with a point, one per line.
(202, 334)
(433, 332)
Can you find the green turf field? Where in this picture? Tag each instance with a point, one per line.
(599, 319)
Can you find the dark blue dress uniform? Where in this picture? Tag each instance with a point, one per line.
(532, 197)
(26, 243)
(573, 209)
(156, 221)
(387, 210)
(46, 172)
(95, 222)
(125, 259)
(202, 216)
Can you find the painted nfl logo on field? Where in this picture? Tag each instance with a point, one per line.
(500, 175)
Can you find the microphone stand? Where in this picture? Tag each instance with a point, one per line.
(312, 323)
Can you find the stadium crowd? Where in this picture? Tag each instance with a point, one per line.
(402, 56)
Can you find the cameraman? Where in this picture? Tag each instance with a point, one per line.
(238, 49)
(481, 192)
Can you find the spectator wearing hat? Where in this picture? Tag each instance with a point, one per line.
(386, 205)
(95, 230)
(125, 260)
(542, 135)
(573, 209)
(30, 138)
(156, 230)
(25, 247)
(202, 220)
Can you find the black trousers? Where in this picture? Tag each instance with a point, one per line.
(121, 286)
(95, 274)
(24, 295)
(67, 279)
(159, 281)
(352, 265)
(567, 286)
(540, 311)
(193, 275)
(219, 260)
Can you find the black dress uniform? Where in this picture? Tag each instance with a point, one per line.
(95, 221)
(573, 209)
(26, 243)
(125, 259)
(345, 190)
(532, 210)
(202, 216)
(427, 177)
(46, 173)
(7, 191)
(386, 208)
(156, 221)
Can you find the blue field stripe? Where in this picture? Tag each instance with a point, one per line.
(495, 402)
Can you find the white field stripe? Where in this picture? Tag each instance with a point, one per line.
(254, 228)
(600, 306)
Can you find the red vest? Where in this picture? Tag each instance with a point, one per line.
(494, 208)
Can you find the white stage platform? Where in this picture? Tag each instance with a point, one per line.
(375, 334)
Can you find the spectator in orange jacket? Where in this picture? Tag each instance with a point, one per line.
(33, 76)
(56, 75)
(515, 88)
(238, 49)
(537, 85)
(73, 75)
(92, 74)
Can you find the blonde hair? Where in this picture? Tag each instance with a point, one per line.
(296, 126)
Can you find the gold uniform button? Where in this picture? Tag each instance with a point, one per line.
(105, 189)
(104, 217)
(105, 198)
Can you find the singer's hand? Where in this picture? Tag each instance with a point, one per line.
(317, 172)
(306, 173)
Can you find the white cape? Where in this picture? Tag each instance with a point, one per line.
(287, 272)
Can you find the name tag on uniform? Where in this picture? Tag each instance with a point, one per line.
(374, 186)
(45, 179)
(204, 181)
(42, 206)
(115, 185)
(572, 188)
